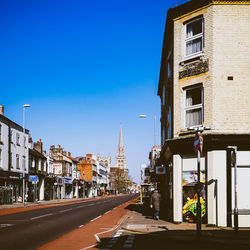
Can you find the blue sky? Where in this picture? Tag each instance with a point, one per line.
(85, 67)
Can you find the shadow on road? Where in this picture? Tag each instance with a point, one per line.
(179, 239)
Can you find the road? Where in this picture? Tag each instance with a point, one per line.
(34, 228)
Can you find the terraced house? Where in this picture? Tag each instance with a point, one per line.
(204, 84)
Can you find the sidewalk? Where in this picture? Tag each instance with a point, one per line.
(141, 224)
(39, 203)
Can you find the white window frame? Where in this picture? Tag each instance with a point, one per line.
(185, 109)
(189, 39)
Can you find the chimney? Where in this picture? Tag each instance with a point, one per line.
(39, 146)
(1, 109)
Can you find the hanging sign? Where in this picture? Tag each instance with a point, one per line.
(160, 170)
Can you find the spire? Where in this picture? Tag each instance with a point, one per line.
(120, 146)
(120, 155)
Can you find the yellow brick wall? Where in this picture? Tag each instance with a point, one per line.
(226, 46)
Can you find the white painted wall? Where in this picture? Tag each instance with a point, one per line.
(177, 188)
(4, 146)
(217, 205)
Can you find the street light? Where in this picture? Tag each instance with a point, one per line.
(24, 107)
(145, 116)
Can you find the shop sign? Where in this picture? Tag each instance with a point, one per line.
(67, 180)
(57, 168)
(59, 181)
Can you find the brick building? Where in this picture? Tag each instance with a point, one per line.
(87, 165)
(204, 84)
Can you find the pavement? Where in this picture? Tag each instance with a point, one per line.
(131, 225)
(141, 231)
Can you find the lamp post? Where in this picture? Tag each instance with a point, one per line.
(145, 116)
(198, 144)
(24, 107)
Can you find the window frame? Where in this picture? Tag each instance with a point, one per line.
(193, 107)
(189, 39)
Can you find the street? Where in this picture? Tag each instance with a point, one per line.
(34, 228)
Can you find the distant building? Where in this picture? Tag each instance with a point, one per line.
(63, 171)
(88, 166)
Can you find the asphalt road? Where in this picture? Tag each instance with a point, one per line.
(34, 228)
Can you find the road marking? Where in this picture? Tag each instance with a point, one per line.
(129, 242)
(81, 206)
(66, 210)
(96, 218)
(38, 217)
(6, 225)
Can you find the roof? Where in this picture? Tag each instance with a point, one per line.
(4, 118)
(73, 159)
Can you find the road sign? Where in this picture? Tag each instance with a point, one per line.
(198, 142)
(160, 170)
(33, 178)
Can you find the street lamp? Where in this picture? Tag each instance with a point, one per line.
(24, 107)
(145, 116)
(198, 144)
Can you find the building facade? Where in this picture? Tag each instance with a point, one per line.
(13, 160)
(204, 84)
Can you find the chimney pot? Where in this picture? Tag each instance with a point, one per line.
(1, 109)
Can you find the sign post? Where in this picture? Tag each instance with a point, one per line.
(198, 145)
(34, 180)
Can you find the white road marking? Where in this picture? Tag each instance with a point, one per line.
(6, 225)
(129, 242)
(81, 206)
(38, 217)
(96, 218)
(66, 210)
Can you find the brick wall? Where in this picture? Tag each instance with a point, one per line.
(226, 46)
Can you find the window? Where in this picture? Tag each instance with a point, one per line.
(194, 38)
(17, 161)
(24, 167)
(0, 132)
(17, 139)
(11, 165)
(193, 106)
(11, 135)
(24, 141)
(0, 158)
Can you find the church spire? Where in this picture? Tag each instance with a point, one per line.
(120, 145)
(120, 155)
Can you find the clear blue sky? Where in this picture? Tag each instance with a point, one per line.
(84, 66)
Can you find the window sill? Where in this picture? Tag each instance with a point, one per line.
(192, 58)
